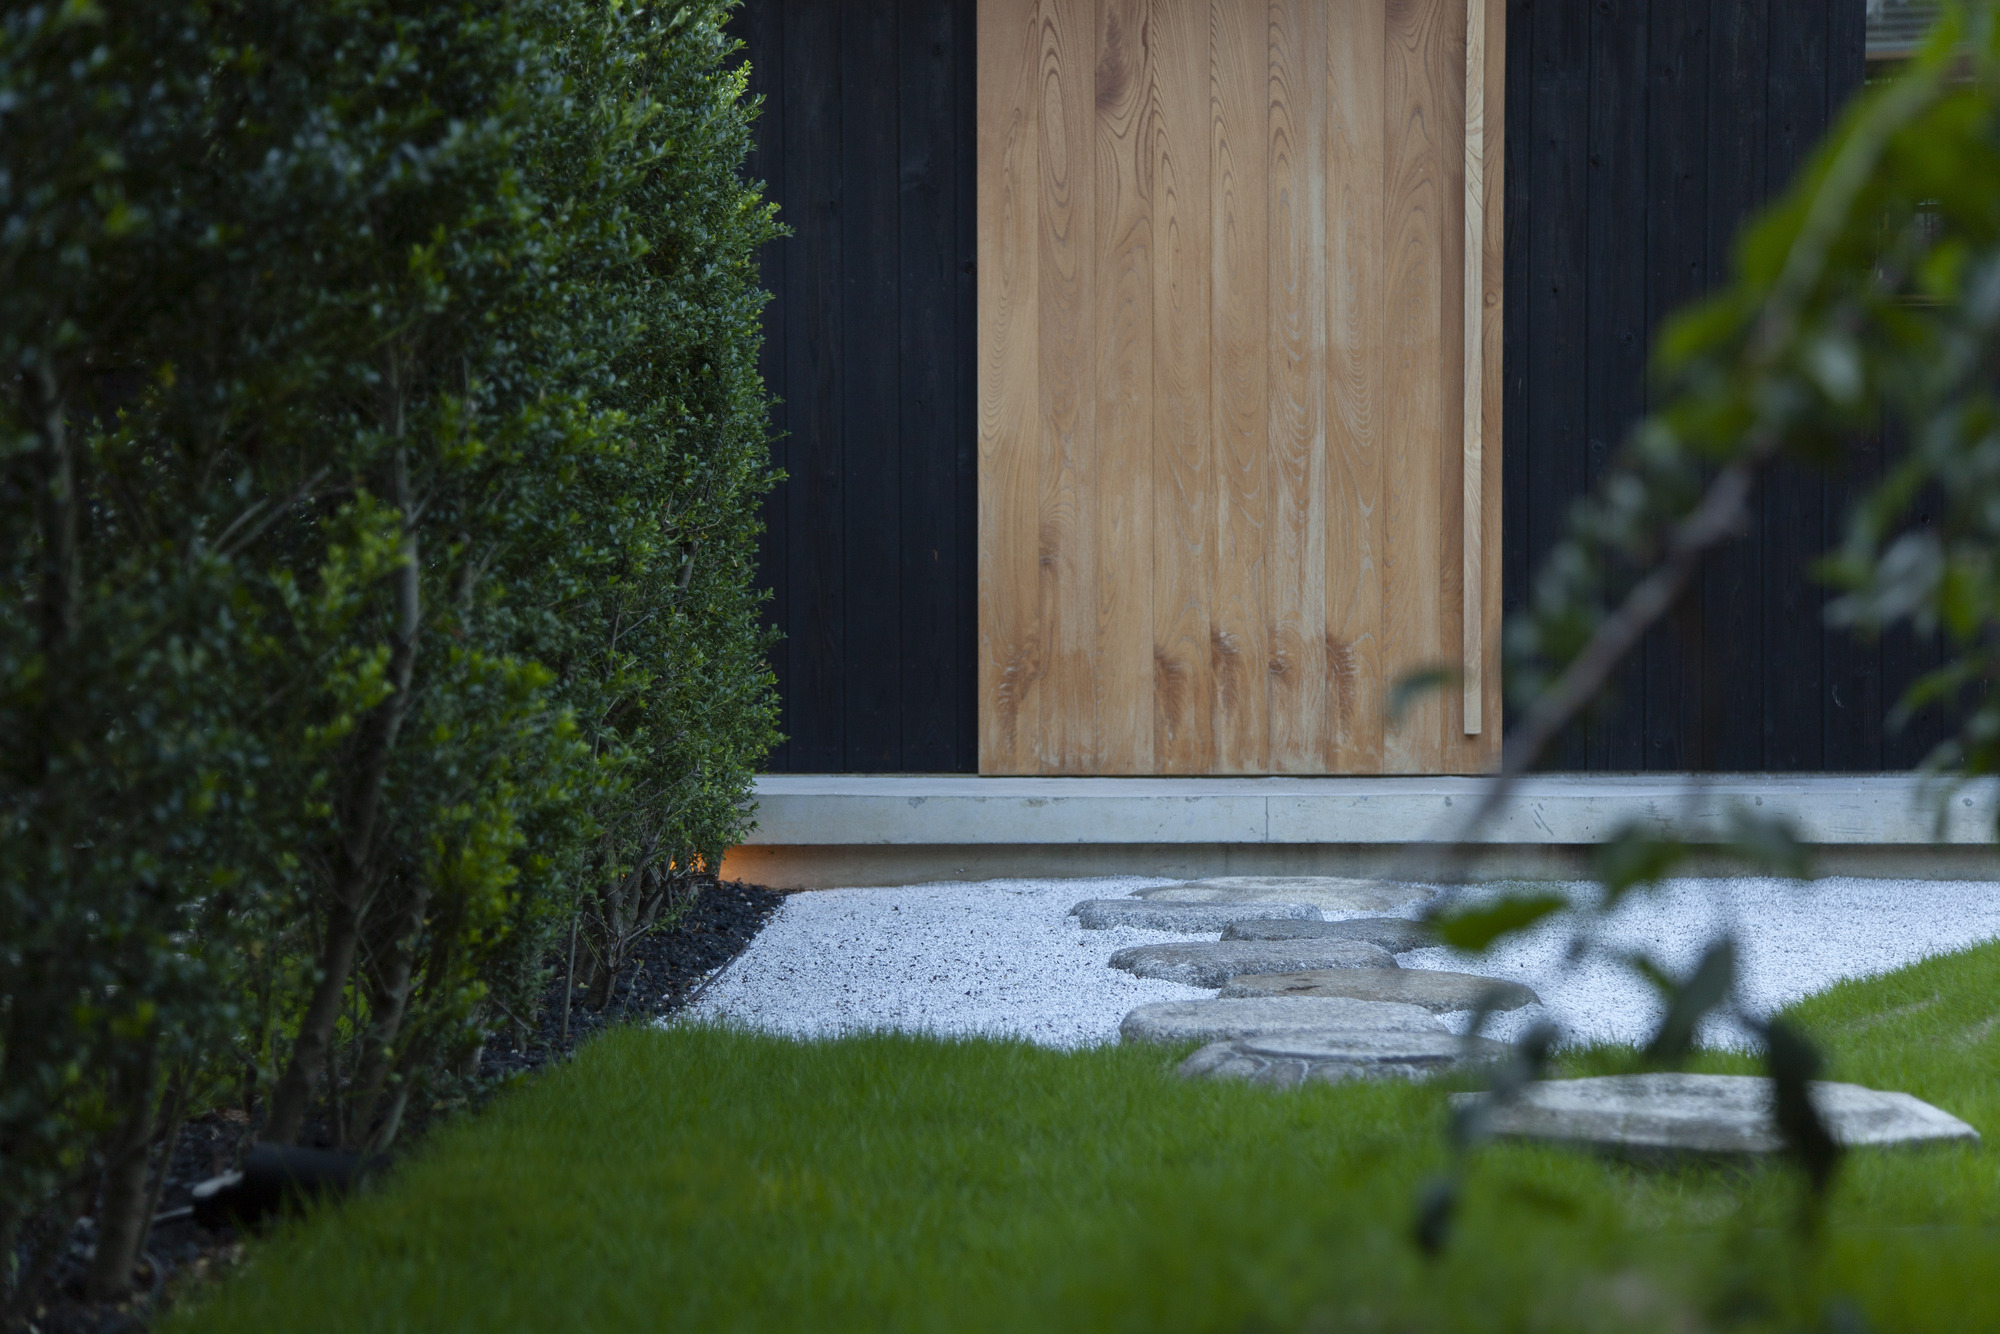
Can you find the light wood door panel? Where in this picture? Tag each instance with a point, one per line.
(1228, 432)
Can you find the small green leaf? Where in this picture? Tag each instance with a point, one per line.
(1436, 1208)
(1473, 929)
(1793, 1062)
(1633, 857)
(1689, 1002)
(1770, 843)
(1413, 686)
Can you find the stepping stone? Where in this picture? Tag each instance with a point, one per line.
(1394, 934)
(1097, 914)
(1287, 1062)
(1332, 893)
(1433, 989)
(1211, 963)
(1710, 1114)
(1312, 1016)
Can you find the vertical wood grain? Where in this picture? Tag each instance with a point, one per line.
(1465, 752)
(1559, 176)
(1070, 741)
(1676, 272)
(1238, 78)
(1733, 579)
(1472, 466)
(1487, 751)
(1417, 579)
(1177, 142)
(816, 381)
(1007, 269)
(1123, 373)
(1295, 589)
(1251, 316)
(872, 474)
(930, 271)
(1356, 138)
(1616, 318)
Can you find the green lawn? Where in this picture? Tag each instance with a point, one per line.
(711, 1180)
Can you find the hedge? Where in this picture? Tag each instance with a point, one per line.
(381, 448)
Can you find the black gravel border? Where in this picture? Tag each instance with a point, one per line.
(667, 969)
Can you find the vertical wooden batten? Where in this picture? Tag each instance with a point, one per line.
(1471, 591)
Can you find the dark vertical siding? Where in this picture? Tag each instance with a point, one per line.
(1653, 128)
(1677, 81)
(866, 145)
(1640, 134)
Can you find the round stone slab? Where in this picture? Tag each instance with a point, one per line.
(1710, 1114)
(1287, 1062)
(1332, 893)
(1223, 1020)
(1098, 914)
(1433, 989)
(1394, 934)
(1211, 963)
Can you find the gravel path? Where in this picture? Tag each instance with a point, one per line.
(998, 957)
(1793, 940)
(1002, 956)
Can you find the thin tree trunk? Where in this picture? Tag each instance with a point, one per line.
(177, 1103)
(569, 975)
(617, 919)
(121, 1221)
(62, 576)
(293, 1094)
(392, 1118)
(388, 1002)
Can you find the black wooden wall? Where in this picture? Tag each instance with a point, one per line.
(866, 143)
(1639, 135)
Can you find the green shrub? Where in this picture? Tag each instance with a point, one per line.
(381, 443)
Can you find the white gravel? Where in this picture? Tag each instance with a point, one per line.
(1002, 956)
(996, 957)
(1792, 940)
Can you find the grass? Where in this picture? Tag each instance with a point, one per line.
(703, 1179)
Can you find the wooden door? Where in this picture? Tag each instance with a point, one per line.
(1239, 384)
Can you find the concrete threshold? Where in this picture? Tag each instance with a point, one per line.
(822, 830)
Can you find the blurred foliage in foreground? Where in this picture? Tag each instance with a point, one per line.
(1871, 287)
(380, 441)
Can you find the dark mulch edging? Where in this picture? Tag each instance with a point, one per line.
(667, 969)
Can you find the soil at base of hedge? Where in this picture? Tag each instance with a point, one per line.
(667, 968)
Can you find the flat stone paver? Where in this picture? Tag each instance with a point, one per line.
(1394, 934)
(1100, 914)
(1212, 963)
(1433, 989)
(1287, 1062)
(1333, 893)
(1710, 1114)
(1223, 1020)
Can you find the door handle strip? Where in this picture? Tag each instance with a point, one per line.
(1473, 657)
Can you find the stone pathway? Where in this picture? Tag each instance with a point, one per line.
(1197, 918)
(1302, 998)
(1434, 990)
(1331, 893)
(1394, 934)
(1708, 1114)
(1213, 963)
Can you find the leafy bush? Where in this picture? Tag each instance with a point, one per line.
(1872, 286)
(382, 441)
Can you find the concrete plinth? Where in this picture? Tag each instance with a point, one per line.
(821, 831)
